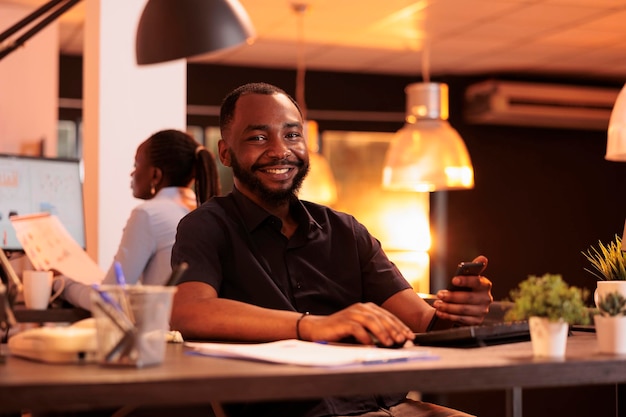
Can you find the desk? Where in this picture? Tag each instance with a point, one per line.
(190, 379)
(50, 315)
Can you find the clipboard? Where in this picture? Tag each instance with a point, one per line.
(49, 246)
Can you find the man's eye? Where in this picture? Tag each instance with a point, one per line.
(294, 135)
(257, 138)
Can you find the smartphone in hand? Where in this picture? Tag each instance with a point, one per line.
(466, 268)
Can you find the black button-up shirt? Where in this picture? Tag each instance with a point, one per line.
(329, 263)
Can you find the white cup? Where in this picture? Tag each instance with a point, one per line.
(38, 288)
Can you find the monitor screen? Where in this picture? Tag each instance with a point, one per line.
(31, 185)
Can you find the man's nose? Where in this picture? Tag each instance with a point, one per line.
(278, 149)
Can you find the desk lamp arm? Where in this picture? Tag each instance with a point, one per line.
(11, 46)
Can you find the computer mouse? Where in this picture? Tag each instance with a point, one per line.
(378, 343)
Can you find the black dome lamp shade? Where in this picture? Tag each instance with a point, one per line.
(177, 29)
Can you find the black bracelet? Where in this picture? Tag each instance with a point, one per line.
(440, 324)
(432, 323)
(298, 324)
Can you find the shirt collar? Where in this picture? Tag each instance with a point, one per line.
(173, 193)
(254, 215)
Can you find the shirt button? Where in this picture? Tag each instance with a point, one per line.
(298, 285)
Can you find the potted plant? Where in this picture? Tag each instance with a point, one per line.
(610, 323)
(608, 263)
(550, 305)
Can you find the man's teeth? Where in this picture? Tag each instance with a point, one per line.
(277, 170)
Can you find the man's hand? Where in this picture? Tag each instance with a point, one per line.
(361, 321)
(466, 307)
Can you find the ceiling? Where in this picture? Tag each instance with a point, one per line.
(585, 38)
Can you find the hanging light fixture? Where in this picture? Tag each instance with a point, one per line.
(427, 154)
(171, 30)
(319, 185)
(616, 138)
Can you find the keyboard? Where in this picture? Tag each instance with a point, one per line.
(475, 336)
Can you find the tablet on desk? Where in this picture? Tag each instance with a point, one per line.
(475, 336)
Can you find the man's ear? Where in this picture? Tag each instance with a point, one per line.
(222, 148)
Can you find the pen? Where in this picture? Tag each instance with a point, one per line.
(119, 274)
(177, 272)
(383, 361)
(113, 310)
(121, 281)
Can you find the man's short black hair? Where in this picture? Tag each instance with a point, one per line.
(227, 110)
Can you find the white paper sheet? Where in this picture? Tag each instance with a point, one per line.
(298, 352)
(48, 245)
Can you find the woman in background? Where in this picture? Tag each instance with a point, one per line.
(166, 165)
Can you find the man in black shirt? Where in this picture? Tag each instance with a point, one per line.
(264, 265)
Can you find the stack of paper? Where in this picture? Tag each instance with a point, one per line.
(297, 352)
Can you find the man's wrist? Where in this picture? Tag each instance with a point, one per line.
(298, 334)
(437, 323)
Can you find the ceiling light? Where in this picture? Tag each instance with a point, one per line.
(319, 185)
(171, 30)
(616, 138)
(427, 154)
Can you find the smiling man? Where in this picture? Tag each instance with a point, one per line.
(274, 157)
(265, 266)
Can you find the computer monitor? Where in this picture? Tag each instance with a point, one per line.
(31, 185)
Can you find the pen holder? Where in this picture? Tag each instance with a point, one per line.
(132, 323)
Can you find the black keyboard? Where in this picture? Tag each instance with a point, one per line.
(475, 336)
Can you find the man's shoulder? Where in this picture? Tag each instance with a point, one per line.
(218, 206)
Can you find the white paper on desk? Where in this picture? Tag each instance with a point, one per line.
(298, 352)
(49, 246)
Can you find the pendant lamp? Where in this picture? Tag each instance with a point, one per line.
(319, 185)
(174, 29)
(616, 138)
(427, 154)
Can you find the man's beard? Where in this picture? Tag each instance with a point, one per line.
(271, 197)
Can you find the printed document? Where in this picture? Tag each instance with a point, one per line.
(298, 352)
(49, 246)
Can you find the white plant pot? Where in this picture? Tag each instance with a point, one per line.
(548, 338)
(605, 287)
(611, 333)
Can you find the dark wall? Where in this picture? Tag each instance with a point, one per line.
(541, 196)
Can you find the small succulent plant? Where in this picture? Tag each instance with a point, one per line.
(612, 304)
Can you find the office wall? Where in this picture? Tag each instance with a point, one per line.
(28, 89)
(541, 197)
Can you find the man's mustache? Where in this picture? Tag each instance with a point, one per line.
(282, 162)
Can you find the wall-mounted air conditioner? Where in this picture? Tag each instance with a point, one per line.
(535, 104)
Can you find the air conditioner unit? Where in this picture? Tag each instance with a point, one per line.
(535, 104)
